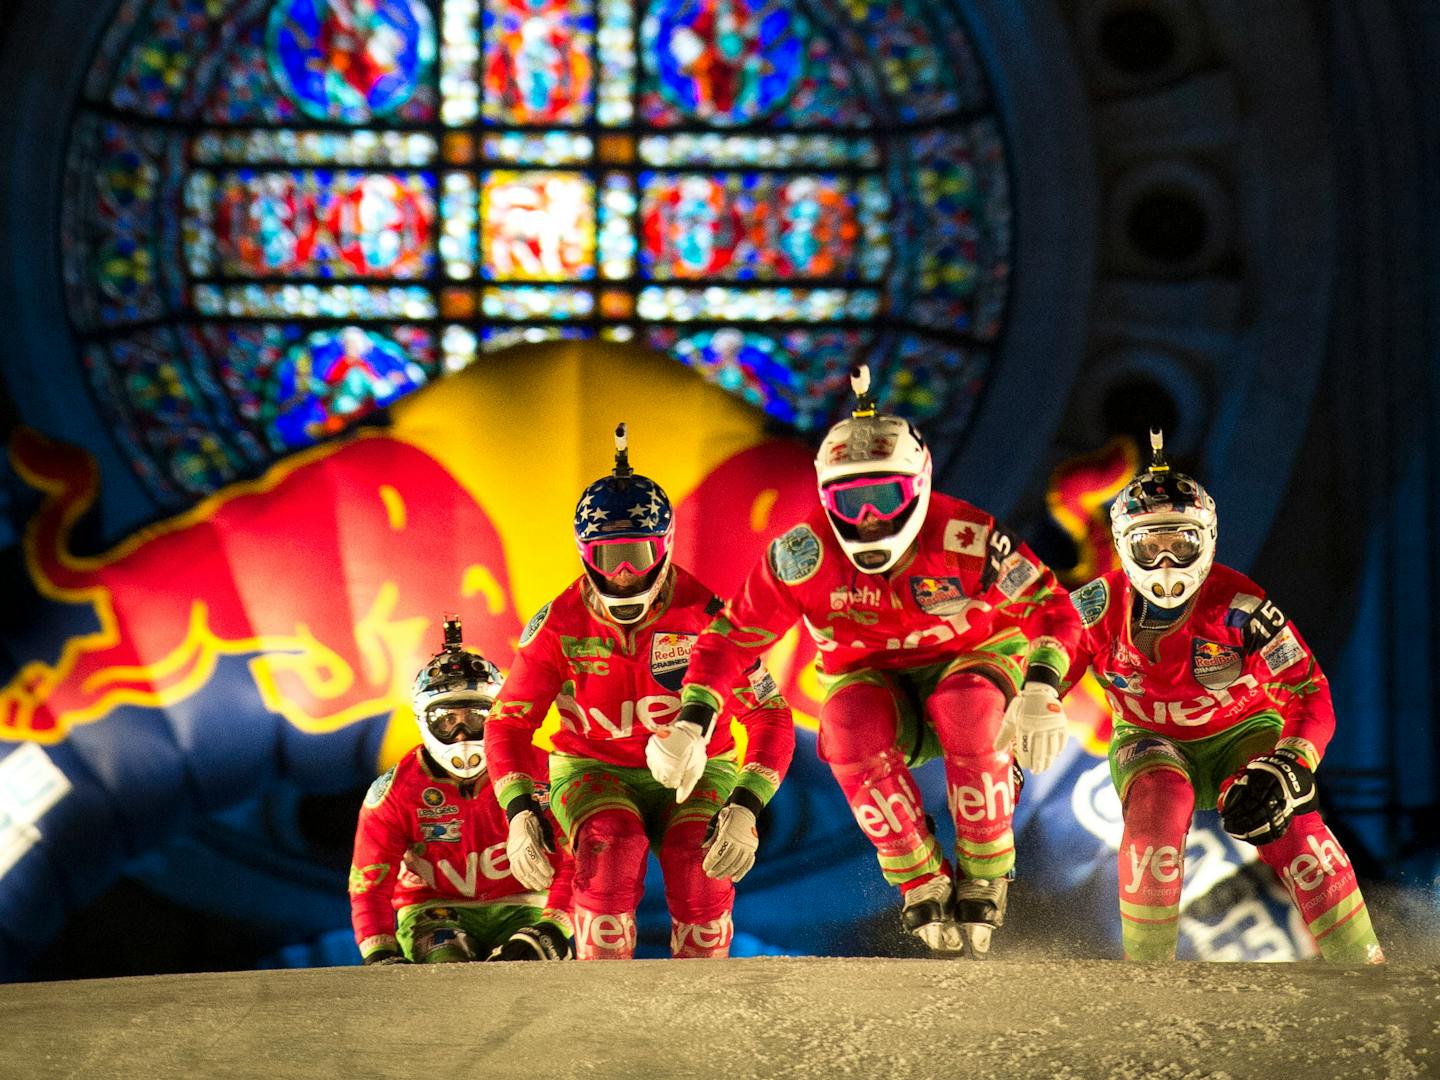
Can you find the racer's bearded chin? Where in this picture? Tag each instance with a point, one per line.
(625, 584)
(870, 530)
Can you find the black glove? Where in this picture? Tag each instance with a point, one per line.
(381, 957)
(1271, 790)
(543, 941)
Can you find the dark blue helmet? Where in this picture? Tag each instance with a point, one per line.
(624, 527)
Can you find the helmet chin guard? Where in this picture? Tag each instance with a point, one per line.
(890, 450)
(455, 677)
(1156, 501)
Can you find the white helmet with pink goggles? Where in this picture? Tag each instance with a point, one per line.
(1165, 527)
(624, 528)
(874, 475)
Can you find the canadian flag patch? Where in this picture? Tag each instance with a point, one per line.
(967, 538)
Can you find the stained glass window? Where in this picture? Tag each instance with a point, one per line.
(282, 215)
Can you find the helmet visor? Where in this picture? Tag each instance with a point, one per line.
(1182, 543)
(458, 723)
(611, 557)
(880, 497)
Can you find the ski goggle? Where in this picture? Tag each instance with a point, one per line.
(457, 723)
(639, 556)
(882, 497)
(1182, 543)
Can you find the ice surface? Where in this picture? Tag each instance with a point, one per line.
(736, 1019)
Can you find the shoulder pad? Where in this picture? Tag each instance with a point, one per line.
(533, 626)
(1091, 601)
(715, 606)
(795, 556)
(380, 788)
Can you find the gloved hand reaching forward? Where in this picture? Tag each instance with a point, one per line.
(1035, 721)
(676, 753)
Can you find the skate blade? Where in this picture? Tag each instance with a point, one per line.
(945, 941)
(977, 940)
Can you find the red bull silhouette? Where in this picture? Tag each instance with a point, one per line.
(330, 572)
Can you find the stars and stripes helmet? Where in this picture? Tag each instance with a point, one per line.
(624, 529)
(874, 474)
(1165, 527)
(452, 696)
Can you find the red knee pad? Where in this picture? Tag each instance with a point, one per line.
(694, 898)
(610, 853)
(857, 723)
(1158, 810)
(966, 710)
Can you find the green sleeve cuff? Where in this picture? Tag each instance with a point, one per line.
(1048, 656)
(756, 784)
(701, 695)
(513, 786)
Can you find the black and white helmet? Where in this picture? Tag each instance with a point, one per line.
(451, 697)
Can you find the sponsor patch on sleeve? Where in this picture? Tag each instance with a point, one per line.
(1091, 601)
(533, 626)
(763, 683)
(376, 795)
(795, 556)
(1281, 652)
(1017, 574)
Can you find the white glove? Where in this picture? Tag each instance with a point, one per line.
(676, 756)
(731, 841)
(528, 851)
(1035, 721)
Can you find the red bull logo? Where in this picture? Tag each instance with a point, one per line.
(330, 573)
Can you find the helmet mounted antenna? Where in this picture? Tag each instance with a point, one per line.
(860, 383)
(1158, 464)
(623, 471)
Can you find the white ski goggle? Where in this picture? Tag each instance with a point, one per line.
(1182, 543)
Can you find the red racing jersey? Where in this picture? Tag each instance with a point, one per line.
(968, 579)
(1234, 654)
(614, 685)
(423, 836)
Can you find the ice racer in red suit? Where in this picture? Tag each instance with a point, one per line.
(610, 652)
(1217, 701)
(940, 635)
(430, 881)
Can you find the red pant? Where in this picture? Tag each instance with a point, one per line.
(611, 851)
(859, 729)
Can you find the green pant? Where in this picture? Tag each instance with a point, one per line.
(440, 931)
(1204, 762)
(581, 787)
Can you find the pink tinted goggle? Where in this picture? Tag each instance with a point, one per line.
(610, 557)
(883, 497)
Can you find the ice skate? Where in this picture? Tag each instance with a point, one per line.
(928, 915)
(980, 911)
